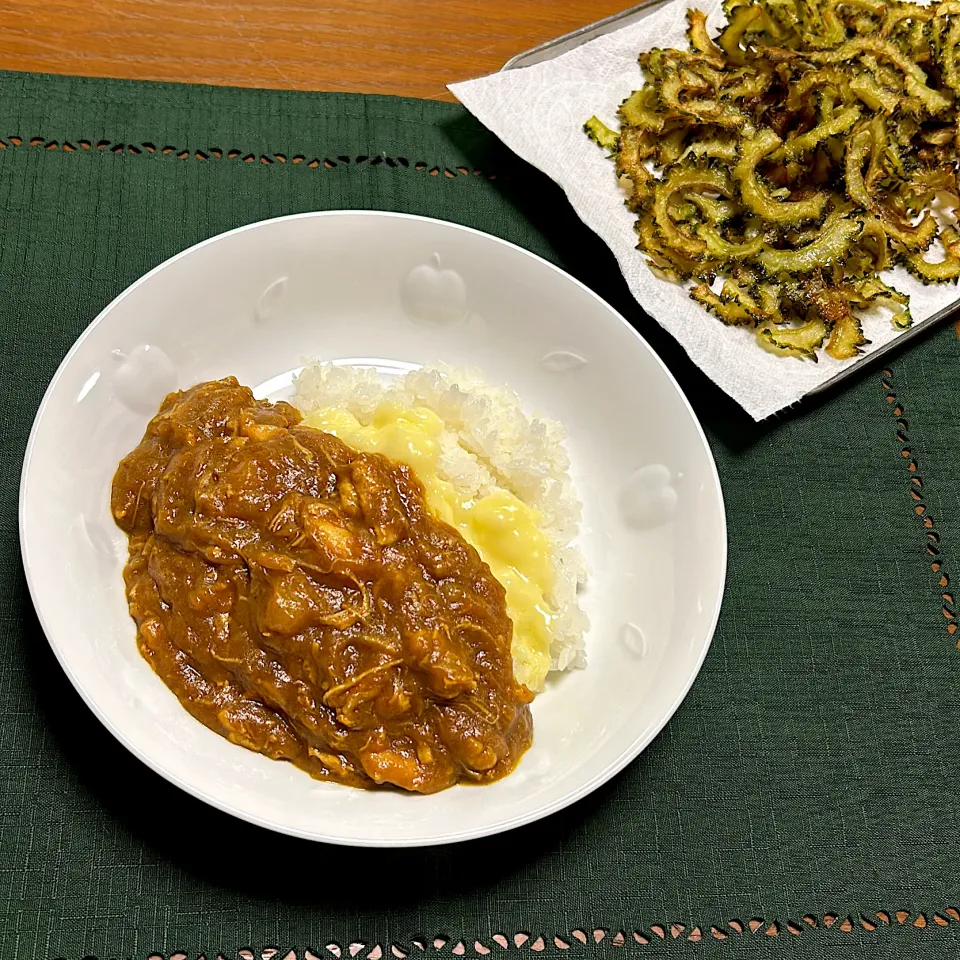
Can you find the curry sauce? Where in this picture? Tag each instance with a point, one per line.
(300, 599)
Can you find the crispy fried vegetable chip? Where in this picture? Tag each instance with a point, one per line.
(785, 162)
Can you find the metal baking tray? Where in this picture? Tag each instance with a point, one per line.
(553, 48)
(569, 41)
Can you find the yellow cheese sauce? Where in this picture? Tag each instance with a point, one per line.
(500, 526)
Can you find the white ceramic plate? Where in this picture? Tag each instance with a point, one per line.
(394, 291)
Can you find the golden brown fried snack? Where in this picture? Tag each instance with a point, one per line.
(797, 155)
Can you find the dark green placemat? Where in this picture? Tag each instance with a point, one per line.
(802, 801)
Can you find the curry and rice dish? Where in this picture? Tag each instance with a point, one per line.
(319, 602)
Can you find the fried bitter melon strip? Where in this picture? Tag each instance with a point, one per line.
(685, 180)
(796, 153)
(800, 341)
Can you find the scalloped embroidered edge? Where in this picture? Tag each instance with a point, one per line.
(218, 153)
(756, 926)
(948, 607)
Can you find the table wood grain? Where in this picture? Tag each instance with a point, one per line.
(406, 47)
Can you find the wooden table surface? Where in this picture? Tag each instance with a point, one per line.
(406, 47)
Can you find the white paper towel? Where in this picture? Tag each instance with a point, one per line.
(539, 111)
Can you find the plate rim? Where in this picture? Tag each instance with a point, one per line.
(628, 756)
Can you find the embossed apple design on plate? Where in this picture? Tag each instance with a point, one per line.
(648, 498)
(432, 293)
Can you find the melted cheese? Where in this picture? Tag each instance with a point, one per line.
(500, 526)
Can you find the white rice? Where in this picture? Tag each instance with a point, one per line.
(489, 442)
